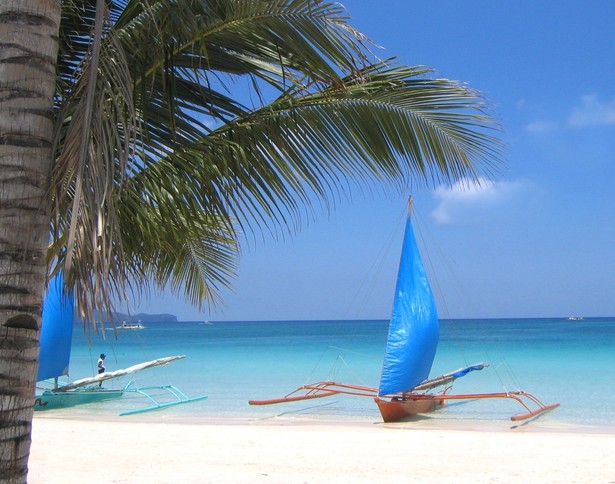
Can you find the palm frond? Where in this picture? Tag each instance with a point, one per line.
(161, 163)
(386, 122)
(94, 141)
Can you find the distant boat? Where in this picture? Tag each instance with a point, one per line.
(404, 389)
(575, 318)
(54, 358)
(126, 325)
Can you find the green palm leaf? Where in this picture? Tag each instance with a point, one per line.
(188, 122)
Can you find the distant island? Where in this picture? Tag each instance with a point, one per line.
(140, 317)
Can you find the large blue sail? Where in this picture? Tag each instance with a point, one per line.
(414, 328)
(56, 332)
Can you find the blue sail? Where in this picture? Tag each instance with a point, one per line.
(56, 332)
(414, 327)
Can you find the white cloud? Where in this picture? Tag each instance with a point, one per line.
(541, 126)
(592, 112)
(466, 195)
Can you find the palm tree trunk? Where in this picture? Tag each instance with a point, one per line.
(28, 53)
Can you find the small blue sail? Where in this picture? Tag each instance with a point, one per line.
(56, 332)
(414, 328)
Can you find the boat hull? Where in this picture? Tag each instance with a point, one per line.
(51, 399)
(397, 410)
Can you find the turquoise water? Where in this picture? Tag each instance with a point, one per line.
(570, 362)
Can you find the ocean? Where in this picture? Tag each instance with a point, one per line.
(558, 360)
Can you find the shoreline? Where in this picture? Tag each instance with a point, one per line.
(536, 425)
(287, 450)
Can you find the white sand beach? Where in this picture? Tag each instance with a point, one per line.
(75, 451)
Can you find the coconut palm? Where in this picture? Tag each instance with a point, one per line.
(179, 125)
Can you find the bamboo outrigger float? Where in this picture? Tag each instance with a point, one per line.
(404, 388)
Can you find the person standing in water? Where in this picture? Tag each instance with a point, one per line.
(101, 366)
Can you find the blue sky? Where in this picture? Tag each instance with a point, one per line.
(537, 241)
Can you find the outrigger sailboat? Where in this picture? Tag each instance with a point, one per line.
(54, 357)
(405, 389)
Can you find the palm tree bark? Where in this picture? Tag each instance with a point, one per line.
(28, 53)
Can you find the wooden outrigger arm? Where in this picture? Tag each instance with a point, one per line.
(320, 390)
(518, 396)
(330, 388)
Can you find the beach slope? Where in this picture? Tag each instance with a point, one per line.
(111, 451)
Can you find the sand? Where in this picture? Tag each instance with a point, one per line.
(85, 451)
